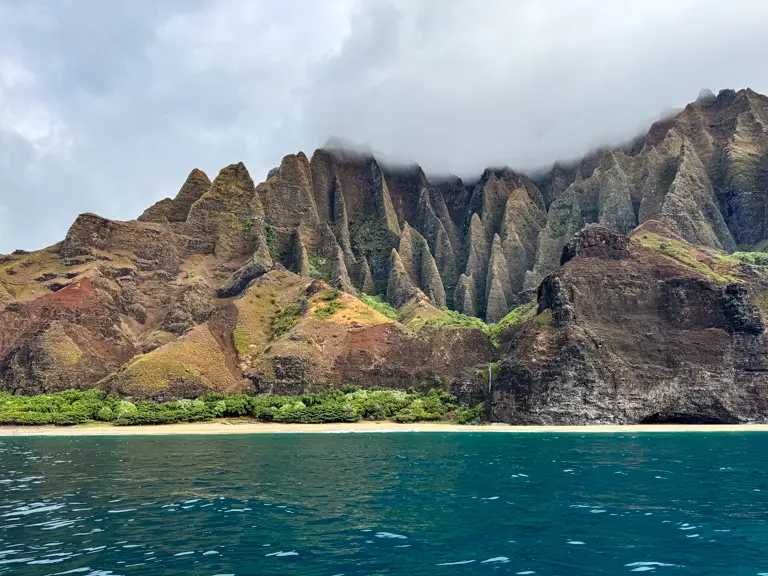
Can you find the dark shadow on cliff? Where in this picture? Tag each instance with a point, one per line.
(683, 418)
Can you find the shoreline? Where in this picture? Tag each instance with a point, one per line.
(222, 427)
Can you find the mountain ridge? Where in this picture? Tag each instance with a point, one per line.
(168, 287)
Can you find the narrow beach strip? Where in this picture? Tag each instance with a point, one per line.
(240, 427)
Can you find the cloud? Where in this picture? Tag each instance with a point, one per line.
(106, 106)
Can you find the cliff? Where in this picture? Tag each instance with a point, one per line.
(337, 269)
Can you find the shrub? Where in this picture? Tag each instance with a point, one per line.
(125, 408)
(330, 309)
(346, 404)
(285, 319)
(317, 265)
(332, 295)
(470, 415)
(754, 258)
(105, 414)
(269, 234)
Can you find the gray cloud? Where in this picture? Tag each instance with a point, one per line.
(106, 105)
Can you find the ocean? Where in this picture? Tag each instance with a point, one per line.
(395, 503)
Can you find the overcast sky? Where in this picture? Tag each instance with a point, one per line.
(106, 105)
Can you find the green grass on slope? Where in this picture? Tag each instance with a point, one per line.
(349, 404)
(378, 304)
(493, 331)
(754, 258)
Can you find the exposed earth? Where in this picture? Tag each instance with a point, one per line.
(629, 287)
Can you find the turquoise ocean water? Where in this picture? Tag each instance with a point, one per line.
(400, 503)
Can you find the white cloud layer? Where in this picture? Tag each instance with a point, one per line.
(106, 106)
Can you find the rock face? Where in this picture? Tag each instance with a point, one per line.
(177, 210)
(206, 291)
(627, 334)
(701, 173)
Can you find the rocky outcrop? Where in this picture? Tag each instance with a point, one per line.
(498, 287)
(300, 260)
(177, 209)
(367, 285)
(522, 224)
(193, 306)
(288, 196)
(230, 215)
(700, 172)
(70, 338)
(627, 334)
(156, 246)
(400, 288)
(420, 266)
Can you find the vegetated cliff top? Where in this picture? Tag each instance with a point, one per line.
(340, 269)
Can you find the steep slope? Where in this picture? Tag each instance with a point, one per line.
(642, 329)
(160, 306)
(703, 174)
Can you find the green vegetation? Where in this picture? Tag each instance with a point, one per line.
(707, 262)
(334, 304)
(348, 404)
(317, 266)
(523, 312)
(378, 304)
(242, 223)
(447, 318)
(330, 309)
(286, 318)
(753, 258)
(269, 233)
(331, 296)
(242, 342)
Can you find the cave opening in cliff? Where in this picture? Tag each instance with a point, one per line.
(680, 418)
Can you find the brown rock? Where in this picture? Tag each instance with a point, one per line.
(176, 210)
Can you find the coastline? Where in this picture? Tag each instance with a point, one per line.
(222, 427)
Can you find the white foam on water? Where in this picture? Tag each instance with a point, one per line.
(645, 566)
(525, 572)
(390, 535)
(281, 553)
(121, 511)
(15, 561)
(210, 553)
(496, 560)
(51, 560)
(75, 571)
(32, 509)
(458, 563)
(185, 553)
(575, 542)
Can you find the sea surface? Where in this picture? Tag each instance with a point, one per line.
(398, 503)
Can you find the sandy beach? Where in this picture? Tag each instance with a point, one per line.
(249, 427)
